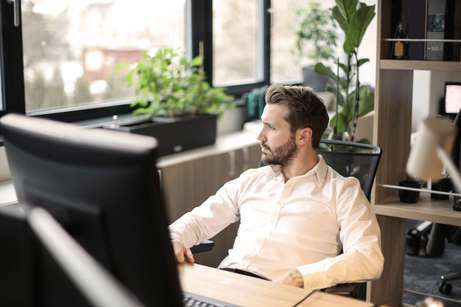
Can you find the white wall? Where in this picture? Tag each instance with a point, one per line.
(368, 50)
(428, 88)
(421, 97)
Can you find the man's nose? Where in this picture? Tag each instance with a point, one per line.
(260, 136)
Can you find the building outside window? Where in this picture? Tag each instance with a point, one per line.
(76, 53)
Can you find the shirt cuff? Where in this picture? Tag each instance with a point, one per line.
(176, 236)
(314, 276)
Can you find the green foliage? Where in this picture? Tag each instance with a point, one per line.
(168, 84)
(353, 99)
(316, 34)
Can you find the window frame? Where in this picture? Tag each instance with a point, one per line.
(199, 41)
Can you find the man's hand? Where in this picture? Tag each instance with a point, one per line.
(182, 253)
(292, 278)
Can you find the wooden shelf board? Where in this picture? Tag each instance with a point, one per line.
(420, 65)
(438, 211)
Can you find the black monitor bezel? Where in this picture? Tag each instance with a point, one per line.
(21, 142)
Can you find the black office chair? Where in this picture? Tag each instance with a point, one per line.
(352, 160)
(349, 160)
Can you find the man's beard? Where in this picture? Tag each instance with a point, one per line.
(281, 155)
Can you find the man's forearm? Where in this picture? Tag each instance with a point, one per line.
(186, 231)
(349, 267)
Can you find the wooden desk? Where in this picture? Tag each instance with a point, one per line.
(391, 218)
(248, 291)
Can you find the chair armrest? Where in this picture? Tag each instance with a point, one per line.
(355, 290)
(205, 246)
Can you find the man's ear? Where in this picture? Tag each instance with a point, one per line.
(304, 137)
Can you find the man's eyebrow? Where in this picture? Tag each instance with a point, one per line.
(268, 124)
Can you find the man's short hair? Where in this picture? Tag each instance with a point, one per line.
(306, 109)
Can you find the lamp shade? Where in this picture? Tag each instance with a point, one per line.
(423, 162)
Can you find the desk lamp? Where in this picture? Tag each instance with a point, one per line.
(429, 154)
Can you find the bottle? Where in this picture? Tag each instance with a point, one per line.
(400, 50)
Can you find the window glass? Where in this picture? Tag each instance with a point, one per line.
(235, 42)
(285, 65)
(77, 52)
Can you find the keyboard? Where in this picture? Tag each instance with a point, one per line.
(195, 300)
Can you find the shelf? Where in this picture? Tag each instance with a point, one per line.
(438, 211)
(422, 40)
(420, 65)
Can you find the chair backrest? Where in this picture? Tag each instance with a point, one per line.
(359, 161)
(352, 159)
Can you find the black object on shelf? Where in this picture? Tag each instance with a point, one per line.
(443, 185)
(432, 26)
(413, 13)
(457, 203)
(407, 196)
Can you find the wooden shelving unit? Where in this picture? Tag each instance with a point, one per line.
(393, 104)
(437, 211)
(392, 131)
(420, 65)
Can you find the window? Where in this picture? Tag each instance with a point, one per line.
(237, 42)
(76, 53)
(285, 66)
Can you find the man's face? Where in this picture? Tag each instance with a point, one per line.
(278, 145)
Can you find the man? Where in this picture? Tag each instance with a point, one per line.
(296, 214)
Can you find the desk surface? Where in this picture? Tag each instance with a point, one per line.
(248, 291)
(438, 211)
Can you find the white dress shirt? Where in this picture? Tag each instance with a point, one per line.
(301, 224)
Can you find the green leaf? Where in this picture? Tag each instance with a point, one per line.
(367, 101)
(347, 8)
(340, 19)
(197, 61)
(169, 84)
(343, 67)
(325, 71)
(339, 122)
(358, 25)
(362, 61)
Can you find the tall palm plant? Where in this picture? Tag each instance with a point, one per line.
(352, 99)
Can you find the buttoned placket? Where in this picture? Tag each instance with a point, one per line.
(275, 213)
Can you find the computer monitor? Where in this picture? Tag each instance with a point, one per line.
(452, 99)
(103, 187)
(17, 277)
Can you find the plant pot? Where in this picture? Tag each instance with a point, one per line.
(407, 196)
(314, 80)
(176, 134)
(443, 185)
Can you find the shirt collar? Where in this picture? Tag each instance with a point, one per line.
(319, 171)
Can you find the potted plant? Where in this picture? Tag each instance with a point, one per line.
(352, 99)
(181, 107)
(316, 38)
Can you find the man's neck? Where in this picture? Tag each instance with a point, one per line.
(300, 165)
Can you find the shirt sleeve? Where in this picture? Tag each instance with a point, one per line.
(205, 221)
(360, 236)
